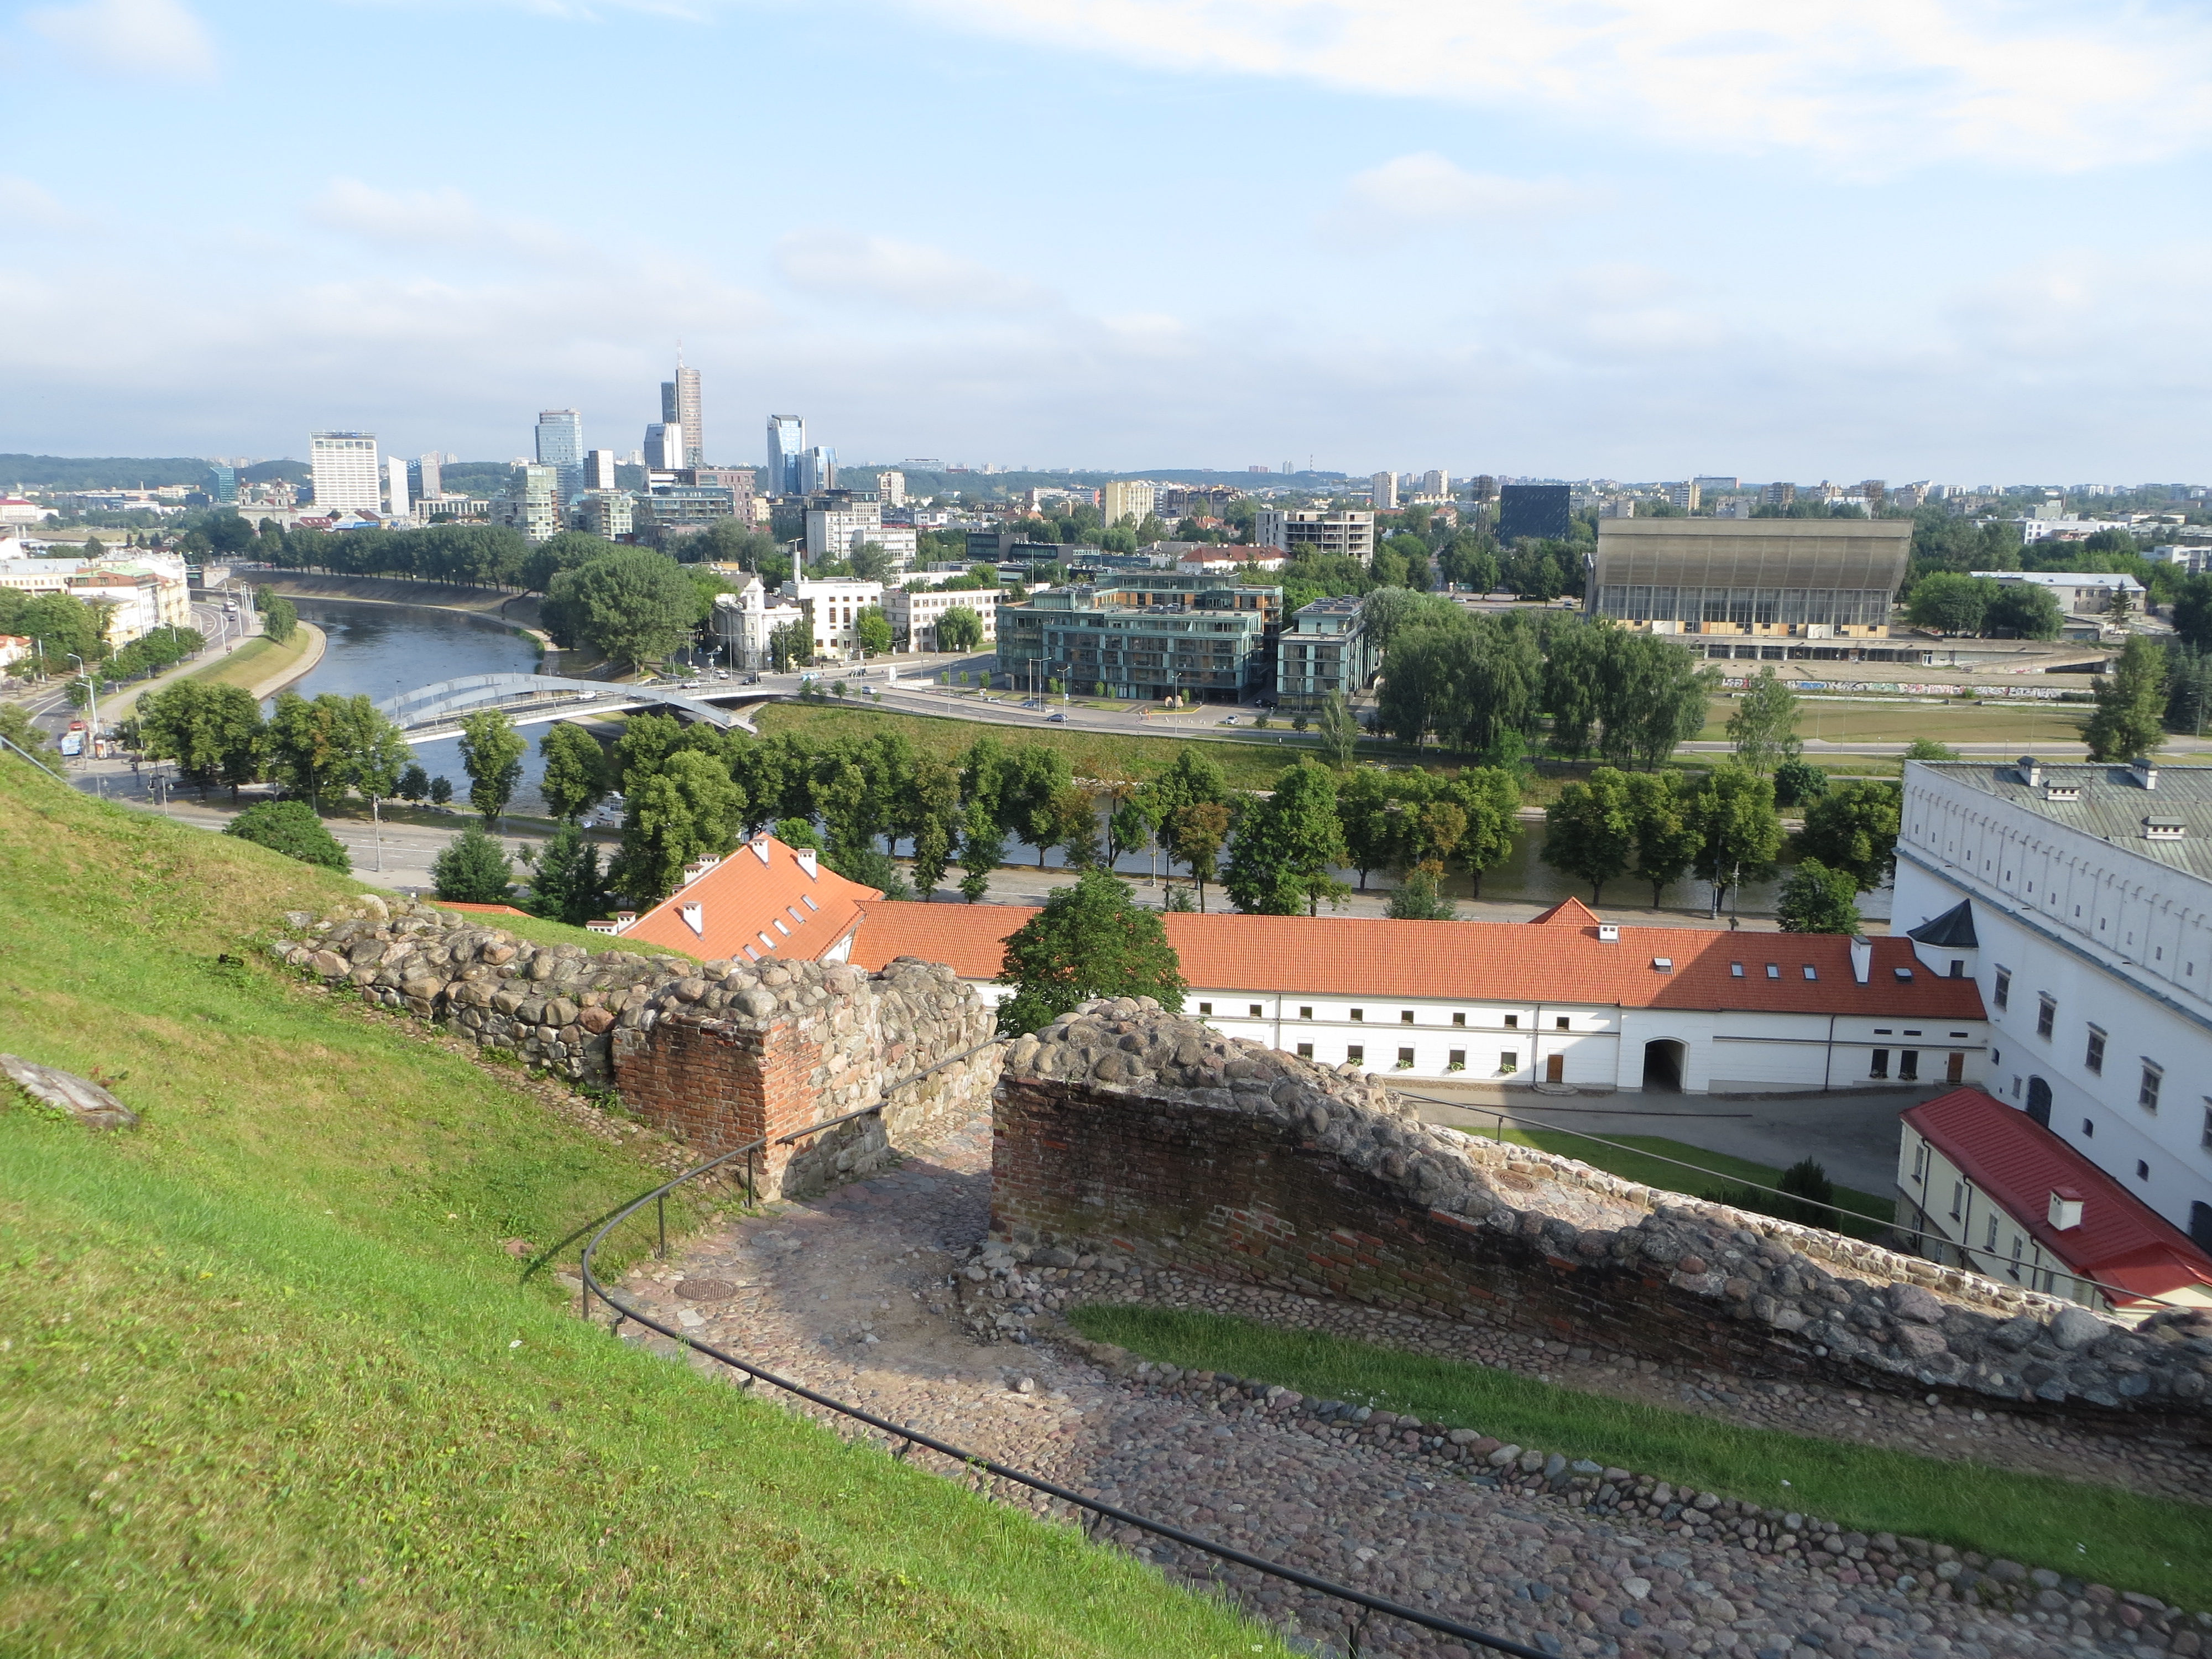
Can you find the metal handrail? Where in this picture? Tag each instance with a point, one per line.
(1369, 1605)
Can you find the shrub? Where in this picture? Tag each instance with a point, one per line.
(472, 870)
(290, 827)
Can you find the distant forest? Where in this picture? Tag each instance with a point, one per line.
(126, 471)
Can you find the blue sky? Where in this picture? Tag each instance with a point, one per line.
(1948, 239)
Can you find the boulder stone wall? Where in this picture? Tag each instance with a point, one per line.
(716, 1053)
(1125, 1132)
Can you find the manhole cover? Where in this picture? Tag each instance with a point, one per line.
(705, 1290)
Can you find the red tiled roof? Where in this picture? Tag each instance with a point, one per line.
(2015, 1160)
(1558, 958)
(761, 901)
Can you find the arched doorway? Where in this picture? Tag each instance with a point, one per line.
(1663, 1065)
(2038, 1101)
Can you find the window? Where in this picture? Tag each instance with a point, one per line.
(1357, 1054)
(1305, 1051)
(1458, 1061)
(2146, 1095)
(1405, 1017)
(2207, 1141)
(1405, 1058)
(1459, 1019)
(1509, 1062)
(1359, 1014)
(1990, 1238)
(1512, 1021)
(1305, 1013)
(1958, 1199)
(2093, 1056)
(2142, 1170)
(2003, 993)
(1811, 972)
(1908, 1065)
(1205, 1008)
(1561, 1024)
(1774, 970)
(1254, 1008)
(1736, 971)
(1920, 1163)
(2046, 1015)
(1879, 1064)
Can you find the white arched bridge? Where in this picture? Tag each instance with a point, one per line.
(437, 711)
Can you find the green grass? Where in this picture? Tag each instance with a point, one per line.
(255, 660)
(269, 1382)
(2129, 1540)
(1993, 720)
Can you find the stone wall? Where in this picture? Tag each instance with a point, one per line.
(716, 1053)
(1122, 1131)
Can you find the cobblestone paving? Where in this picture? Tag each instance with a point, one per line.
(848, 1294)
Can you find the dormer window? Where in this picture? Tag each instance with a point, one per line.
(2061, 792)
(1663, 964)
(2164, 829)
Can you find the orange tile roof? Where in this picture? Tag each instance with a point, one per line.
(2121, 1240)
(1557, 958)
(761, 901)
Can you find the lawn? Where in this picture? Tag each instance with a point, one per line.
(270, 1381)
(1838, 720)
(2100, 1533)
(255, 660)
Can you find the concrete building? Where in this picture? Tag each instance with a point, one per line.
(890, 488)
(666, 446)
(426, 477)
(2079, 593)
(1436, 484)
(395, 502)
(1218, 558)
(611, 514)
(1324, 648)
(138, 593)
(532, 502)
(347, 478)
(559, 439)
(1302, 530)
(2079, 898)
(1685, 495)
(1541, 511)
(1816, 579)
(786, 441)
(1566, 997)
(680, 406)
(1145, 635)
(1382, 492)
(833, 605)
(1132, 498)
(744, 620)
(682, 509)
(913, 613)
(600, 470)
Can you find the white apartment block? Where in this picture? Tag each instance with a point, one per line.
(1130, 498)
(347, 478)
(1300, 530)
(890, 488)
(744, 620)
(913, 614)
(837, 532)
(1382, 492)
(835, 604)
(138, 593)
(2087, 925)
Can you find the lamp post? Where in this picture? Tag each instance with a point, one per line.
(91, 693)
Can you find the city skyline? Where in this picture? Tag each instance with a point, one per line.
(1930, 241)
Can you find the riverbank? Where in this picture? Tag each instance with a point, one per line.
(391, 590)
(264, 667)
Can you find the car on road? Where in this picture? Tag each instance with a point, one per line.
(1059, 718)
(1033, 702)
(1226, 719)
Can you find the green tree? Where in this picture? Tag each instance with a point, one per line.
(1287, 846)
(1817, 900)
(16, 726)
(471, 870)
(1764, 727)
(492, 752)
(1797, 781)
(1950, 602)
(290, 827)
(2190, 612)
(280, 618)
(1075, 825)
(1490, 796)
(1089, 941)
(2025, 610)
(335, 743)
(1419, 896)
(1926, 749)
(1030, 780)
(1852, 832)
(1373, 829)
(212, 732)
(687, 807)
(1590, 831)
(932, 819)
(575, 769)
(982, 850)
(1739, 832)
(566, 884)
(871, 629)
(1651, 696)
(2129, 719)
(633, 606)
(1339, 730)
(414, 782)
(959, 628)
(441, 790)
(790, 645)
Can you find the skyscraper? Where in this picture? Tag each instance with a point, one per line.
(395, 486)
(345, 471)
(1382, 492)
(679, 402)
(560, 446)
(665, 447)
(600, 470)
(817, 470)
(429, 477)
(786, 441)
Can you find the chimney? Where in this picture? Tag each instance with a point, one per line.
(695, 917)
(1862, 957)
(2031, 770)
(807, 860)
(2144, 770)
(2065, 1212)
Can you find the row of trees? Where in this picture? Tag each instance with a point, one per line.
(1953, 603)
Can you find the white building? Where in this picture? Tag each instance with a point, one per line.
(1301, 530)
(1382, 492)
(395, 488)
(913, 613)
(139, 592)
(744, 620)
(835, 603)
(2079, 593)
(532, 502)
(1131, 499)
(2077, 529)
(890, 488)
(1436, 484)
(1566, 997)
(347, 478)
(1226, 558)
(837, 532)
(2087, 923)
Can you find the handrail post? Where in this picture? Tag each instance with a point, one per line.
(661, 1209)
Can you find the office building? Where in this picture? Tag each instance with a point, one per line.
(1324, 648)
(345, 471)
(833, 607)
(786, 442)
(1132, 498)
(1006, 546)
(664, 447)
(1811, 578)
(600, 470)
(221, 483)
(913, 614)
(890, 488)
(840, 527)
(1382, 492)
(560, 446)
(670, 511)
(1483, 486)
(1710, 482)
(1146, 636)
(395, 488)
(818, 470)
(1540, 512)
(2079, 898)
(425, 478)
(679, 406)
(1300, 530)
(739, 481)
(531, 503)
(1778, 494)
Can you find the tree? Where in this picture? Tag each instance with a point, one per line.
(2192, 611)
(1651, 695)
(1951, 602)
(575, 769)
(1075, 825)
(1764, 727)
(566, 885)
(634, 605)
(981, 850)
(2026, 610)
(870, 563)
(1590, 831)
(335, 743)
(1196, 834)
(491, 753)
(1372, 830)
(686, 808)
(441, 790)
(472, 870)
(280, 618)
(1287, 845)
(2130, 716)
(1490, 796)
(959, 628)
(1926, 749)
(931, 817)
(212, 732)
(1739, 833)
(789, 645)
(1420, 898)
(414, 782)
(1339, 730)
(872, 630)
(1853, 832)
(16, 727)
(1089, 941)
(1817, 900)
(290, 827)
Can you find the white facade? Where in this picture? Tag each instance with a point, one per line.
(744, 620)
(1133, 499)
(2079, 593)
(347, 478)
(395, 488)
(1308, 530)
(2092, 897)
(913, 616)
(837, 532)
(140, 592)
(835, 604)
(1382, 492)
(890, 488)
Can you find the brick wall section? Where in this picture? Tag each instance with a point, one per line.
(1120, 1130)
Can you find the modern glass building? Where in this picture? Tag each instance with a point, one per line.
(786, 442)
(1207, 637)
(221, 484)
(1542, 511)
(560, 446)
(1778, 578)
(1324, 648)
(680, 403)
(817, 470)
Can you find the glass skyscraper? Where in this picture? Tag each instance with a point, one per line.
(787, 443)
(560, 446)
(679, 403)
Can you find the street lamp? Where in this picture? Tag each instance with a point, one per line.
(92, 694)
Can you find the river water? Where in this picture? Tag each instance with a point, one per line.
(382, 650)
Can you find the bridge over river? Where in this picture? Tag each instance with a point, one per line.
(437, 711)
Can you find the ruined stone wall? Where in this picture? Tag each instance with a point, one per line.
(716, 1053)
(1124, 1130)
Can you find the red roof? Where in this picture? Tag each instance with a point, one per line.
(2015, 1160)
(1557, 958)
(765, 899)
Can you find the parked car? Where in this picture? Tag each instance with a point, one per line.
(1226, 719)
(1059, 718)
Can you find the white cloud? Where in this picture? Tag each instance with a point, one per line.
(1428, 192)
(23, 202)
(1866, 84)
(847, 264)
(157, 39)
(446, 218)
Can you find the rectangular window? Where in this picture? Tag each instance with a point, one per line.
(1512, 1021)
(1920, 1163)
(1560, 1023)
(1459, 1019)
(1305, 1051)
(1774, 970)
(1736, 971)
(1458, 1062)
(1878, 1065)
(1357, 1054)
(1205, 1008)
(1958, 1198)
(2147, 1096)
(1405, 1017)
(1254, 1008)
(1811, 972)
(2093, 1056)
(1508, 1062)
(1305, 1013)
(2046, 1015)
(2003, 993)
(1990, 1238)
(2207, 1141)
(1359, 1014)
(1908, 1065)
(1405, 1058)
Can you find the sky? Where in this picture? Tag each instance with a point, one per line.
(1956, 240)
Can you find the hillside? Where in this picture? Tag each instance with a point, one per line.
(271, 1382)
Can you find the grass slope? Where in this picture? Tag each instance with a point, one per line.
(255, 660)
(2100, 1533)
(269, 1383)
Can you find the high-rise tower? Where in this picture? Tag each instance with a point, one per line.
(786, 442)
(560, 446)
(679, 403)
(347, 478)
